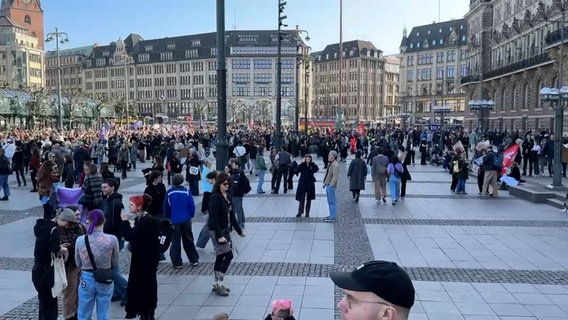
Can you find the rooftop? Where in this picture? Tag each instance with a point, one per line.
(435, 36)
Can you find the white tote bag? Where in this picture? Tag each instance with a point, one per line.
(60, 277)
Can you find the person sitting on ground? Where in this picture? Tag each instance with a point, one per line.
(281, 310)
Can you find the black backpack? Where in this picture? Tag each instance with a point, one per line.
(165, 230)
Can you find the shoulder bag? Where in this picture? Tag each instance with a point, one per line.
(59, 274)
(101, 275)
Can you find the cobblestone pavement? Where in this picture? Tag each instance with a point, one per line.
(466, 255)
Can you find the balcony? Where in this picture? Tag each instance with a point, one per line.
(555, 36)
(470, 78)
(517, 66)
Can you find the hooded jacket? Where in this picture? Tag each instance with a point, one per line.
(112, 207)
(47, 242)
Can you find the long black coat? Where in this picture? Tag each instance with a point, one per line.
(307, 182)
(142, 280)
(357, 173)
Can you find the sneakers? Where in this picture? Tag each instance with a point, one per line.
(329, 219)
(564, 210)
(5, 198)
(178, 267)
(195, 264)
(220, 290)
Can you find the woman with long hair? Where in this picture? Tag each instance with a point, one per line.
(104, 250)
(222, 220)
(47, 175)
(142, 289)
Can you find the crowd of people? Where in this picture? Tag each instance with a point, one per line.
(91, 234)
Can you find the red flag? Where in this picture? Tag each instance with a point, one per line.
(509, 157)
(361, 128)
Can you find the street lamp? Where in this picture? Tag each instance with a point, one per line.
(281, 18)
(557, 98)
(126, 59)
(441, 111)
(301, 58)
(482, 109)
(64, 38)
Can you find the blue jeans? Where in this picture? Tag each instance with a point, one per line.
(4, 185)
(239, 212)
(90, 292)
(460, 187)
(204, 236)
(394, 187)
(260, 180)
(120, 284)
(331, 201)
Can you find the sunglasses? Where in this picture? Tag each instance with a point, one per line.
(225, 183)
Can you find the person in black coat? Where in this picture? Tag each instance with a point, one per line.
(142, 289)
(306, 191)
(221, 222)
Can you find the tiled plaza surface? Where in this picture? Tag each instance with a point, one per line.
(469, 257)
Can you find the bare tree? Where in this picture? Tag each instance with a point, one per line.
(263, 111)
(37, 103)
(75, 104)
(235, 107)
(200, 108)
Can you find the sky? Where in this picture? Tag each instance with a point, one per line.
(379, 21)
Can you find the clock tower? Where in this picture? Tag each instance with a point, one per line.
(28, 14)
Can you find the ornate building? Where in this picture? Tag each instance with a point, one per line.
(21, 44)
(513, 53)
(173, 77)
(433, 59)
(362, 82)
(72, 61)
(391, 87)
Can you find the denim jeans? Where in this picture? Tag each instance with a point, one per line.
(90, 292)
(394, 187)
(460, 187)
(260, 180)
(239, 212)
(4, 185)
(120, 283)
(331, 201)
(182, 235)
(204, 236)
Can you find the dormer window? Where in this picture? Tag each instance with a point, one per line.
(428, 31)
(195, 43)
(418, 34)
(171, 46)
(148, 48)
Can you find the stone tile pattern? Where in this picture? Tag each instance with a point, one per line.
(471, 222)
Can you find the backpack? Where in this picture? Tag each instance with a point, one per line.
(165, 231)
(498, 161)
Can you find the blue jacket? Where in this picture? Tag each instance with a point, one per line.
(179, 206)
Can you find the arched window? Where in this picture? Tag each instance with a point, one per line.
(28, 19)
(526, 97)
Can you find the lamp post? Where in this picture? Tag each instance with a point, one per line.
(299, 60)
(524, 118)
(281, 18)
(126, 59)
(404, 117)
(306, 78)
(222, 146)
(64, 38)
(557, 98)
(441, 111)
(482, 109)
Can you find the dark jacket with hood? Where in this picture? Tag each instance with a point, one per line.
(112, 207)
(47, 242)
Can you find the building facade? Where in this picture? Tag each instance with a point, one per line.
(514, 52)
(72, 61)
(362, 94)
(177, 77)
(27, 14)
(21, 60)
(392, 85)
(433, 59)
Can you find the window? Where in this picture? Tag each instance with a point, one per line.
(192, 53)
(433, 42)
(184, 67)
(165, 56)
(171, 46)
(241, 91)
(148, 48)
(463, 70)
(100, 62)
(288, 64)
(212, 79)
(159, 69)
(195, 43)
(28, 19)
(144, 57)
(410, 75)
(441, 41)
(197, 66)
(171, 68)
(185, 80)
(451, 72)
(198, 79)
(262, 77)
(262, 91)
(440, 73)
(241, 64)
(241, 77)
(212, 65)
(213, 51)
(262, 64)
(171, 81)
(287, 78)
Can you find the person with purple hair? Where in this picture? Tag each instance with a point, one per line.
(104, 248)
